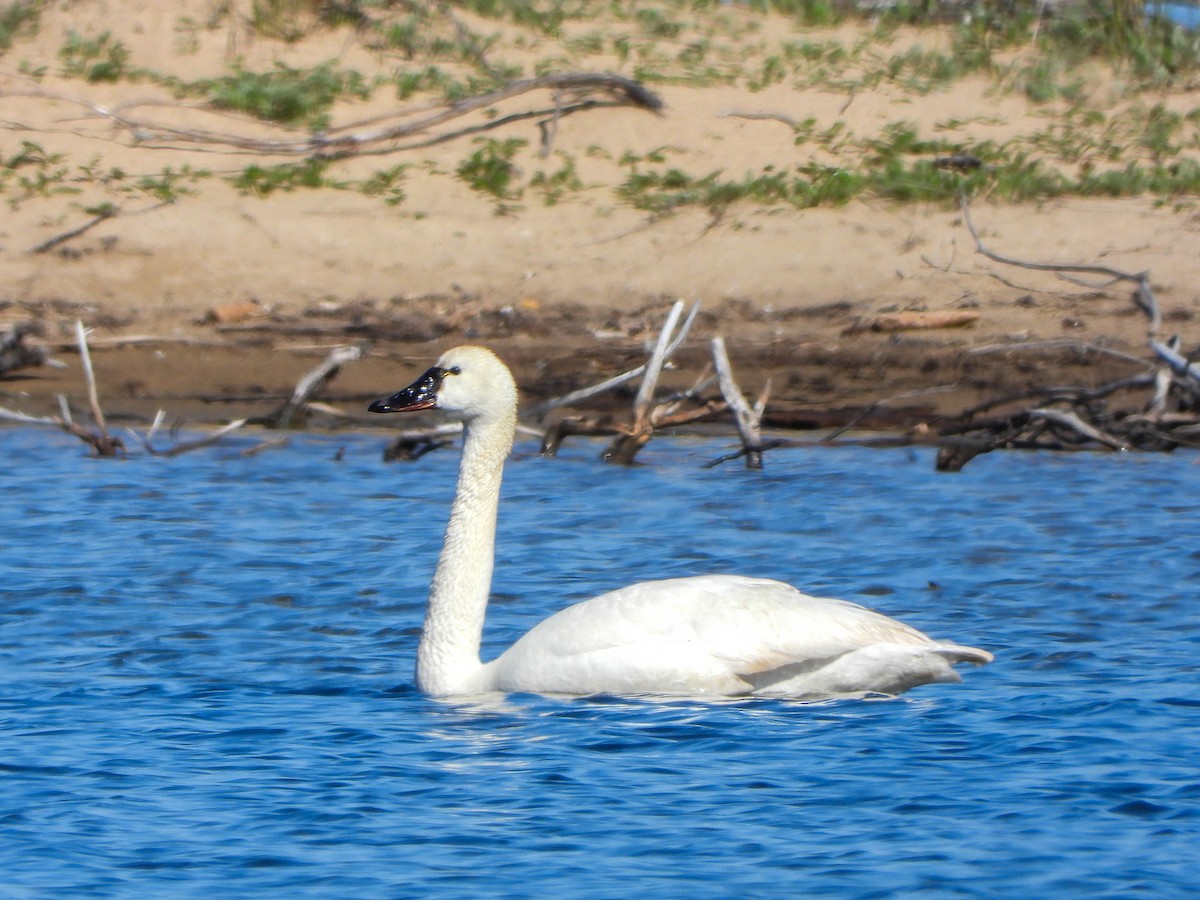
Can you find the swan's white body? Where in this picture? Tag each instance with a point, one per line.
(711, 634)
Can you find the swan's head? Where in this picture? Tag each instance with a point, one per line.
(469, 383)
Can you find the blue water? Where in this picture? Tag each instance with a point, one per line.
(205, 680)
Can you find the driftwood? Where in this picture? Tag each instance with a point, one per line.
(17, 353)
(181, 447)
(1075, 417)
(385, 133)
(575, 426)
(308, 387)
(101, 442)
(748, 418)
(647, 416)
(1143, 295)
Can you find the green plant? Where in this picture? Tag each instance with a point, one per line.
(287, 95)
(386, 184)
(555, 184)
(263, 181)
(289, 20)
(654, 23)
(168, 185)
(95, 59)
(17, 18)
(490, 169)
(36, 172)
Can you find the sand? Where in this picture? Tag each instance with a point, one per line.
(213, 305)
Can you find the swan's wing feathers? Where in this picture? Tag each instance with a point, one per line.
(760, 625)
(719, 633)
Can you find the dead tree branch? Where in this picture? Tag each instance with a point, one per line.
(309, 386)
(627, 444)
(103, 443)
(181, 447)
(356, 138)
(1082, 418)
(46, 246)
(749, 419)
(1143, 295)
(16, 353)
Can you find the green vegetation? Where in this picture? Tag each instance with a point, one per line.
(490, 170)
(312, 174)
(1106, 84)
(95, 59)
(263, 181)
(287, 95)
(17, 18)
(553, 186)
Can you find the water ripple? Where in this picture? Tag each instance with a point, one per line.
(205, 681)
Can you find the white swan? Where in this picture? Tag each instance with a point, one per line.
(710, 634)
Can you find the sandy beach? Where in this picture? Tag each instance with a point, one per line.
(210, 300)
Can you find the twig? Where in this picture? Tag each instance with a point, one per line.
(12, 415)
(571, 426)
(549, 127)
(1162, 382)
(586, 393)
(101, 441)
(769, 116)
(104, 215)
(1055, 345)
(1179, 365)
(645, 394)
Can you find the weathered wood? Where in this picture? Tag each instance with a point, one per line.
(181, 447)
(572, 426)
(748, 419)
(16, 353)
(356, 137)
(309, 386)
(632, 438)
(1143, 295)
(1072, 421)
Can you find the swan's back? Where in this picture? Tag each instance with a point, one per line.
(722, 634)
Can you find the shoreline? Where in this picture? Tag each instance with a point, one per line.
(214, 270)
(839, 374)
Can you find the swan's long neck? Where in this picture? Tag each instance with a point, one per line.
(448, 655)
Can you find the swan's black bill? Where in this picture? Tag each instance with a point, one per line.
(421, 394)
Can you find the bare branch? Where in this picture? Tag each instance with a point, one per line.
(312, 384)
(749, 420)
(1143, 295)
(340, 141)
(186, 446)
(104, 215)
(1075, 423)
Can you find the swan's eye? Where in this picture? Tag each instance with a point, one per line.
(454, 370)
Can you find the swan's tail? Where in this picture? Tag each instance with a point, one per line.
(956, 653)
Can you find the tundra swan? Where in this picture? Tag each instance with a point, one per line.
(705, 635)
